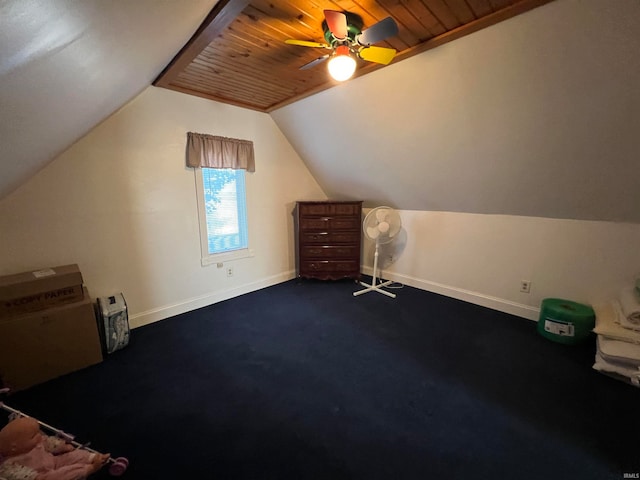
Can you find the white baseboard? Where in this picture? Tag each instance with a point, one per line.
(495, 303)
(166, 311)
(499, 304)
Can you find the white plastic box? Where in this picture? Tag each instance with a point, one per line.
(114, 322)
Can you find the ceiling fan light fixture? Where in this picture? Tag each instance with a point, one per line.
(342, 65)
(348, 42)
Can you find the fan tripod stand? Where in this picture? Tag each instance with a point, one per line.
(373, 287)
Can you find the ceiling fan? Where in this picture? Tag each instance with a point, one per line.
(347, 41)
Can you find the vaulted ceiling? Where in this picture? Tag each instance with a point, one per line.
(66, 65)
(537, 115)
(239, 55)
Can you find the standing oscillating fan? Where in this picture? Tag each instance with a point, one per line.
(381, 224)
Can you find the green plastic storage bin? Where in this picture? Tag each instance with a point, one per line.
(564, 321)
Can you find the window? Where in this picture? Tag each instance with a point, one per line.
(222, 213)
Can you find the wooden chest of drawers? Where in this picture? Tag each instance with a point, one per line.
(328, 238)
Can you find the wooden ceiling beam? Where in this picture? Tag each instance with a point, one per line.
(224, 12)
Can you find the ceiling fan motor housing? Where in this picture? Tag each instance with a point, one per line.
(354, 28)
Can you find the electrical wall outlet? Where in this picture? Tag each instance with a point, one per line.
(229, 271)
(525, 286)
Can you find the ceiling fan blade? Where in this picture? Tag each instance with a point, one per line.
(315, 62)
(305, 43)
(379, 31)
(377, 54)
(337, 23)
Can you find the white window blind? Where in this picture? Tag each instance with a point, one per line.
(223, 214)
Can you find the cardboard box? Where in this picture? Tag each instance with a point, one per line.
(33, 291)
(39, 346)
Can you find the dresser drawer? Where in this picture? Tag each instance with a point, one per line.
(329, 251)
(329, 266)
(330, 209)
(326, 238)
(325, 224)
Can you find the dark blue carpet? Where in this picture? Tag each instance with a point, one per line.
(304, 381)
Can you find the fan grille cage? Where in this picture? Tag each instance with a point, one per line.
(382, 224)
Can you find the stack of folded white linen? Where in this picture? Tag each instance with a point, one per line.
(618, 341)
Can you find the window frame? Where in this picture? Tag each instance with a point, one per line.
(207, 258)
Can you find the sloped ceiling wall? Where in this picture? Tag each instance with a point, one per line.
(535, 116)
(66, 65)
(538, 115)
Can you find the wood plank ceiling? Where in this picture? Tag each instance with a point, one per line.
(238, 55)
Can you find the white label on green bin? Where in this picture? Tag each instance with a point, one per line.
(558, 327)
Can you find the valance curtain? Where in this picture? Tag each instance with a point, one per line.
(219, 152)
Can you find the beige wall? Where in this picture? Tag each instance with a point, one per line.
(122, 204)
(482, 258)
